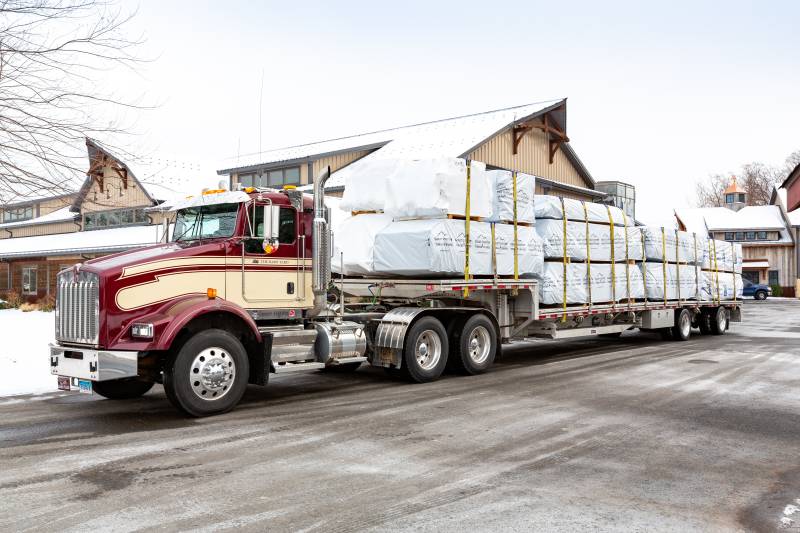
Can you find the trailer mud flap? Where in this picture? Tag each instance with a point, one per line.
(391, 334)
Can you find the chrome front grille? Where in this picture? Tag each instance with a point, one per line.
(77, 307)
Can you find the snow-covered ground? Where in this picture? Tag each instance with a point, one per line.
(24, 361)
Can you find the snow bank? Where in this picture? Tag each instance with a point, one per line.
(24, 362)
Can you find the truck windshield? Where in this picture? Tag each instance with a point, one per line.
(205, 222)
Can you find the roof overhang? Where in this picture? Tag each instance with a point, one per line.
(762, 263)
(569, 188)
(299, 160)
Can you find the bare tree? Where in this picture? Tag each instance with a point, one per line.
(757, 180)
(52, 54)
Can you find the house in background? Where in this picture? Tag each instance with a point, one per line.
(530, 138)
(787, 198)
(768, 244)
(109, 213)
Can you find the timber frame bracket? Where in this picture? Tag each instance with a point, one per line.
(556, 136)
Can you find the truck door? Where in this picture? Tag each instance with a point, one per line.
(272, 277)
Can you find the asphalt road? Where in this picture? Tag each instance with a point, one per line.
(634, 434)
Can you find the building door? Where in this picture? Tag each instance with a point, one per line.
(751, 275)
(772, 278)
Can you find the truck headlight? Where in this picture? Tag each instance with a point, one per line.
(144, 331)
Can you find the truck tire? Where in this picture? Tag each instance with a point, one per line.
(704, 323)
(719, 321)
(682, 329)
(425, 350)
(122, 389)
(475, 345)
(760, 295)
(208, 375)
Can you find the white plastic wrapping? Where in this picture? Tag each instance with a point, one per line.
(431, 247)
(603, 288)
(366, 188)
(550, 207)
(353, 242)
(680, 246)
(717, 286)
(681, 281)
(502, 183)
(530, 257)
(552, 233)
(719, 255)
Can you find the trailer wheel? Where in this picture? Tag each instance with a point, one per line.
(122, 389)
(476, 346)
(682, 329)
(425, 350)
(704, 322)
(719, 322)
(208, 375)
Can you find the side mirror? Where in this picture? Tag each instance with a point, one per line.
(271, 222)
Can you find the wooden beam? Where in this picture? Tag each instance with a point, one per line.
(517, 134)
(123, 175)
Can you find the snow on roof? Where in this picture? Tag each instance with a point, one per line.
(752, 217)
(59, 215)
(452, 137)
(95, 241)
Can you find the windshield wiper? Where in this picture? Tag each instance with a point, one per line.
(187, 230)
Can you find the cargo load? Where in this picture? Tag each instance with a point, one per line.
(554, 207)
(419, 188)
(717, 286)
(354, 242)
(438, 247)
(679, 282)
(599, 246)
(502, 183)
(589, 284)
(722, 256)
(679, 246)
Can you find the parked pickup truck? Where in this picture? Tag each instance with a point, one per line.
(759, 291)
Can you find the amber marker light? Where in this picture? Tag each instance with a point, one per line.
(211, 292)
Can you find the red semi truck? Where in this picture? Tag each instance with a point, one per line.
(244, 289)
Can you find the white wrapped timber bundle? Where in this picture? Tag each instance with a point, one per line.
(552, 207)
(589, 284)
(529, 256)
(366, 184)
(438, 187)
(679, 246)
(720, 286)
(719, 256)
(738, 259)
(599, 246)
(504, 183)
(353, 242)
(680, 282)
(430, 247)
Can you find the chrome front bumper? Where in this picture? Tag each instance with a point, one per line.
(95, 365)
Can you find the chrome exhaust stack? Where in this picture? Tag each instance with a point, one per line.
(320, 247)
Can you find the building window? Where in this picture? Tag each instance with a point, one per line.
(18, 213)
(762, 235)
(729, 198)
(110, 219)
(741, 197)
(29, 280)
(751, 235)
(739, 236)
(728, 235)
(246, 180)
(772, 277)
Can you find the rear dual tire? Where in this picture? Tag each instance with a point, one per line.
(474, 345)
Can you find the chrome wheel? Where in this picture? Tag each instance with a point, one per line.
(479, 345)
(212, 372)
(685, 324)
(722, 320)
(428, 350)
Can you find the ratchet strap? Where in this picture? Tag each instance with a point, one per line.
(613, 272)
(733, 249)
(696, 276)
(664, 260)
(494, 251)
(716, 267)
(678, 265)
(564, 243)
(466, 231)
(627, 260)
(643, 233)
(588, 254)
(516, 248)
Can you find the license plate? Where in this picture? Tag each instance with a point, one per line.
(63, 382)
(84, 386)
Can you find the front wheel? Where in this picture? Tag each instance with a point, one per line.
(122, 389)
(761, 295)
(425, 350)
(208, 375)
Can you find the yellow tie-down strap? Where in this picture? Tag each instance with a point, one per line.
(466, 231)
(664, 259)
(627, 259)
(588, 254)
(716, 267)
(677, 265)
(564, 242)
(644, 264)
(613, 268)
(514, 193)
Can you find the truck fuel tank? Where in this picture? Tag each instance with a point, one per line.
(339, 340)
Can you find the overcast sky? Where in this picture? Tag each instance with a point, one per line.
(659, 96)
